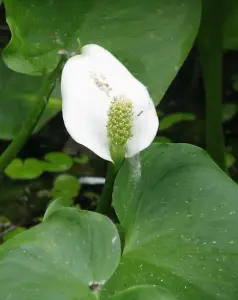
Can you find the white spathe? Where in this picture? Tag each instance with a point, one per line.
(88, 84)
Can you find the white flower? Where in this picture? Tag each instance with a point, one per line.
(104, 105)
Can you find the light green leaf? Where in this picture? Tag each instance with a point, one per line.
(66, 186)
(152, 38)
(17, 101)
(82, 160)
(60, 258)
(230, 29)
(180, 220)
(57, 162)
(30, 168)
(175, 118)
(230, 159)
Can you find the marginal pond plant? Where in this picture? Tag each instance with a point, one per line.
(166, 224)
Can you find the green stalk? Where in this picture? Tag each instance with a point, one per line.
(104, 205)
(27, 128)
(210, 46)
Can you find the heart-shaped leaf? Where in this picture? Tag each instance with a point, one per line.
(68, 257)
(29, 169)
(17, 99)
(179, 213)
(151, 37)
(57, 162)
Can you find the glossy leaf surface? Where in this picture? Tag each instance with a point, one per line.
(60, 258)
(179, 213)
(144, 293)
(152, 38)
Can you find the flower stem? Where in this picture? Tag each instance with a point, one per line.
(104, 205)
(210, 46)
(27, 128)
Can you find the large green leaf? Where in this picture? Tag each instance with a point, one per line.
(17, 100)
(230, 30)
(63, 258)
(179, 213)
(144, 293)
(151, 37)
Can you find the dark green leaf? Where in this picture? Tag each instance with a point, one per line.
(235, 82)
(230, 30)
(17, 101)
(179, 212)
(152, 38)
(229, 111)
(175, 118)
